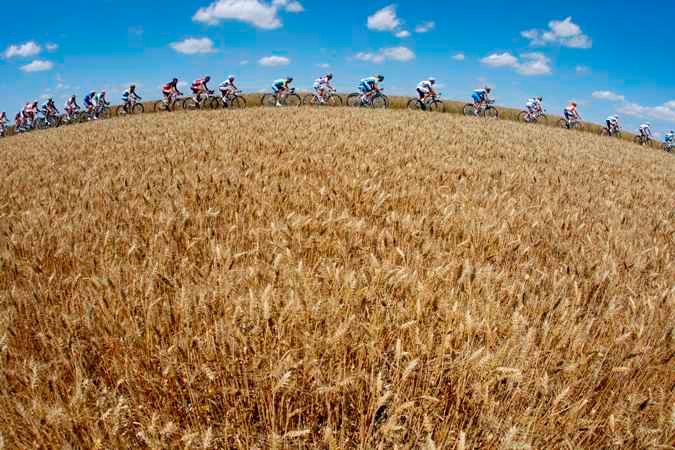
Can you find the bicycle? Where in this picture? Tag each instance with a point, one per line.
(130, 107)
(290, 98)
(641, 139)
(376, 100)
(614, 132)
(231, 99)
(3, 130)
(330, 98)
(668, 147)
(429, 103)
(527, 117)
(70, 118)
(48, 120)
(207, 100)
(571, 124)
(485, 109)
(167, 104)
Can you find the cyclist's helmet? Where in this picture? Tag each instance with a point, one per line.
(102, 93)
(648, 124)
(230, 78)
(379, 77)
(488, 89)
(432, 80)
(329, 76)
(207, 79)
(35, 103)
(92, 93)
(174, 81)
(672, 132)
(540, 98)
(289, 79)
(574, 103)
(132, 87)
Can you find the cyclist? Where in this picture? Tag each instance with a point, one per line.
(425, 89)
(49, 109)
(571, 114)
(322, 86)
(200, 87)
(30, 112)
(101, 102)
(281, 87)
(170, 91)
(71, 106)
(480, 96)
(668, 138)
(130, 96)
(534, 106)
(227, 89)
(89, 101)
(3, 122)
(19, 121)
(612, 124)
(369, 86)
(645, 131)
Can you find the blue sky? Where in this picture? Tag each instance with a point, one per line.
(611, 57)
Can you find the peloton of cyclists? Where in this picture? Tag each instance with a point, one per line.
(281, 87)
(369, 87)
(322, 87)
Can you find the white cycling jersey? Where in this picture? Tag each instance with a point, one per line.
(425, 86)
(644, 128)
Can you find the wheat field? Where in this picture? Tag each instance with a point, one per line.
(334, 279)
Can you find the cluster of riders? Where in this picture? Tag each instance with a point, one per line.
(95, 103)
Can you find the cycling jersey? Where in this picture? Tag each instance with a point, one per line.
(368, 85)
(169, 88)
(613, 120)
(323, 81)
(669, 137)
(89, 100)
(479, 95)
(128, 93)
(199, 85)
(227, 85)
(279, 83)
(100, 100)
(425, 86)
(644, 129)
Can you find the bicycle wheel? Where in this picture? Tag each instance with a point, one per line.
(311, 100)
(138, 109)
(436, 106)
(212, 103)
(414, 104)
(562, 123)
(469, 110)
(354, 100)
(491, 113)
(334, 100)
(268, 100)
(238, 102)
(541, 119)
(292, 100)
(380, 102)
(637, 140)
(40, 123)
(524, 117)
(104, 113)
(189, 104)
(159, 106)
(667, 148)
(604, 132)
(120, 110)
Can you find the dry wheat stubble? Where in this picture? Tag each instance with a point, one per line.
(359, 279)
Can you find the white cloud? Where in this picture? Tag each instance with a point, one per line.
(530, 64)
(459, 57)
(384, 19)
(609, 96)
(22, 50)
(290, 6)
(582, 70)
(51, 47)
(403, 34)
(670, 104)
(193, 46)
(255, 12)
(38, 66)
(274, 61)
(663, 112)
(560, 32)
(425, 27)
(401, 54)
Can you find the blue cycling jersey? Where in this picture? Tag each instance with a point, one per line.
(88, 99)
(370, 81)
(669, 137)
(480, 92)
(279, 83)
